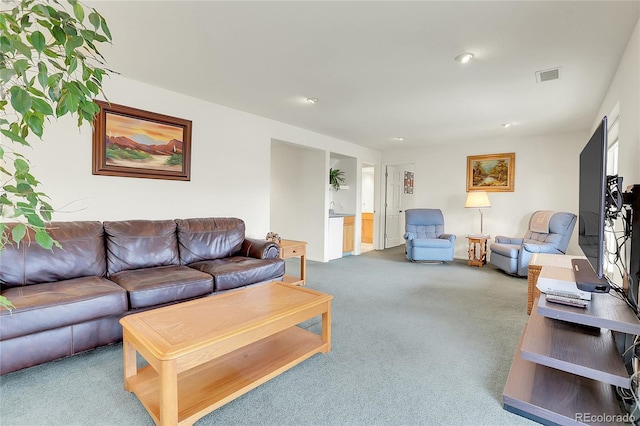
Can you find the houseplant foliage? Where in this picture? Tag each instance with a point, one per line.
(49, 67)
(336, 178)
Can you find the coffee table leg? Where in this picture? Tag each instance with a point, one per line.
(326, 328)
(130, 364)
(168, 393)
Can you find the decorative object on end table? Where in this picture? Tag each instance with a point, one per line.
(336, 178)
(136, 143)
(273, 237)
(493, 172)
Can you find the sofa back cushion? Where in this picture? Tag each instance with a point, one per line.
(136, 244)
(209, 238)
(424, 223)
(82, 255)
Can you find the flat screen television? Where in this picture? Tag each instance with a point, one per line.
(592, 204)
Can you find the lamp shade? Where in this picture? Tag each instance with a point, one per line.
(477, 200)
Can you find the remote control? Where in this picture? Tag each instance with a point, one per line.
(569, 301)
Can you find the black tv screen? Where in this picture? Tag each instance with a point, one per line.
(592, 192)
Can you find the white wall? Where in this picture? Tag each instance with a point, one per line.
(625, 89)
(546, 179)
(230, 167)
(297, 195)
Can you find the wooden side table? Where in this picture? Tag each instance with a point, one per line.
(477, 250)
(290, 248)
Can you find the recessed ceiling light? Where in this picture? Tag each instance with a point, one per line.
(464, 58)
(507, 125)
(312, 100)
(399, 138)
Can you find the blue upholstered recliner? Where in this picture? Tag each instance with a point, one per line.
(512, 255)
(425, 236)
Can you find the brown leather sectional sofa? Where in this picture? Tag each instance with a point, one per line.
(69, 300)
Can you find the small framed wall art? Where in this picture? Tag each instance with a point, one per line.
(408, 182)
(492, 172)
(132, 142)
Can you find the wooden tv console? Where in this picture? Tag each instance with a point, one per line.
(567, 363)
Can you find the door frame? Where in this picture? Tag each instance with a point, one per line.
(410, 166)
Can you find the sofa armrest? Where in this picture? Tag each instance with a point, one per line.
(540, 248)
(259, 249)
(449, 237)
(408, 236)
(508, 240)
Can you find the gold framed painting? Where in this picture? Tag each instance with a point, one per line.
(491, 172)
(132, 142)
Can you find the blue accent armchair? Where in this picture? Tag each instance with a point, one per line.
(512, 255)
(425, 237)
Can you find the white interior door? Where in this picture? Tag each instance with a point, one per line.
(393, 209)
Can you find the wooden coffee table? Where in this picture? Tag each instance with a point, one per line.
(207, 352)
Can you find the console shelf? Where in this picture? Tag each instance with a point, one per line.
(604, 311)
(551, 396)
(585, 351)
(567, 363)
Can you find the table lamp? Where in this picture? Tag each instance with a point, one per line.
(478, 200)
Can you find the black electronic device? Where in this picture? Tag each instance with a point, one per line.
(585, 278)
(592, 210)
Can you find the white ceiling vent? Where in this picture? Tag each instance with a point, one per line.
(548, 75)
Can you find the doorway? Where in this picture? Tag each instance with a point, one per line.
(398, 197)
(367, 207)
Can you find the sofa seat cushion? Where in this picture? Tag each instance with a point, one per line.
(239, 271)
(47, 306)
(507, 250)
(164, 284)
(431, 243)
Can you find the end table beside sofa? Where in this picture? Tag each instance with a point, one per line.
(70, 300)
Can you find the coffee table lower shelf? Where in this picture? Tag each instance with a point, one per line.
(207, 387)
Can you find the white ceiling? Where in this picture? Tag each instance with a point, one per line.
(381, 69)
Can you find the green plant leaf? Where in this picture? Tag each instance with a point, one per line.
(22, 48)
(43, 76)
(18, 232)
(14, 137)
(21, 165)
(38, 41)
(61, 107)
(36, 122)
(94, 18)
(42, 10)
(44, 239)
(73, 43)
(58, 33)
(78, 11)
(20, 100)
(20, 66)
(41, 106)
(73, 65)
(105, 28)
(93, 87)
(35, 220)
(5, 44)
(6, 74)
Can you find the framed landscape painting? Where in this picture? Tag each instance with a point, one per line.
(492, 172)
(136, 143)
